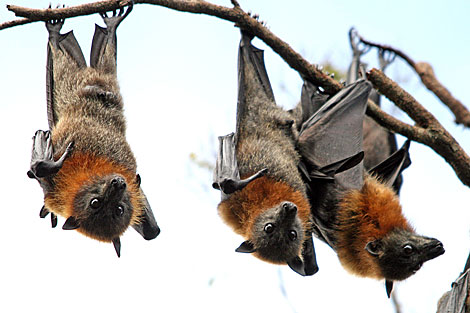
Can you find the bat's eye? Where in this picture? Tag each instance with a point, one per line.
(292, 235)
(269, 228)
(408, 249)
(95, 203)
(119, 211)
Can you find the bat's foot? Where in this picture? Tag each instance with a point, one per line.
(112, 22)
(54, 26)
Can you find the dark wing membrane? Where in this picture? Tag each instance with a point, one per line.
(68, 44)
(455, 300)
(251, 73)
(334, 134)
(148, 227)
(97, 45)
(226, 173)
(307, 265)
(105, 38)
(390, 169)
(311, 100)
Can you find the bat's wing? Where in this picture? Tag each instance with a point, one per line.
(307, 266)
(68, 45)
(148, 227)
(390, 169)
(311, 100)
(226, 173)
(455, 300)
(105, 40)
(330, 141)
(330, 145)
(254, 88)
(42, 165)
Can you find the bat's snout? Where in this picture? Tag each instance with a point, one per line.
(290, 209)
(118, 183)
(432, 249)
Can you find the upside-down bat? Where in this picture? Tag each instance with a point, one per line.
(359, 214)
(84, 163)
(259, 172)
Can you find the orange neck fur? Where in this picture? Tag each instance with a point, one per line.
(242, 208)
(366, 215)
(81, 169)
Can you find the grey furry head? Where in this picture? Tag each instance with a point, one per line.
(277, 234)
(103, 208)
(402, 253)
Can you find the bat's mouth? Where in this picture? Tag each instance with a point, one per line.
(417, 267)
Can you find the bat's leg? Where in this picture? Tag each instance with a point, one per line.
(54, 27)
(42, 156)
(104, 45)
(73, 56)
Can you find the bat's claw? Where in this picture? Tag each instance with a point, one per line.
(358, 47)
(54, 26)
(385, 58)
(112, 22)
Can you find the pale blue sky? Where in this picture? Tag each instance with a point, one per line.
(178, 78)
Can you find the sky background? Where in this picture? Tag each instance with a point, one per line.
(178, 77)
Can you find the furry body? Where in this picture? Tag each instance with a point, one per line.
(272, 213)
(84, 163)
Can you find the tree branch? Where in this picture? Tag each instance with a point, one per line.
(428, 78)
(433, 134)
(427, 131)
(13, 23)
(235, 15)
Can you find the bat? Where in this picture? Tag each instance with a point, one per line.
(260, 174)
(358, 213)
(83, 162)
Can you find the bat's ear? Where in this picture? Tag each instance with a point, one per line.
(309, 258)
(71, 223)
(374, 247)
(117, 246)
(389, 287)
(246, 247)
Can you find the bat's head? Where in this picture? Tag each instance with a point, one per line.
(401, 253)
(276, 235)
(102, 208)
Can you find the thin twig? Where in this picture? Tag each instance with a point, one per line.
(434, 134)
(425, 72)
(21, 21)
(427, 131)
(235, 15)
